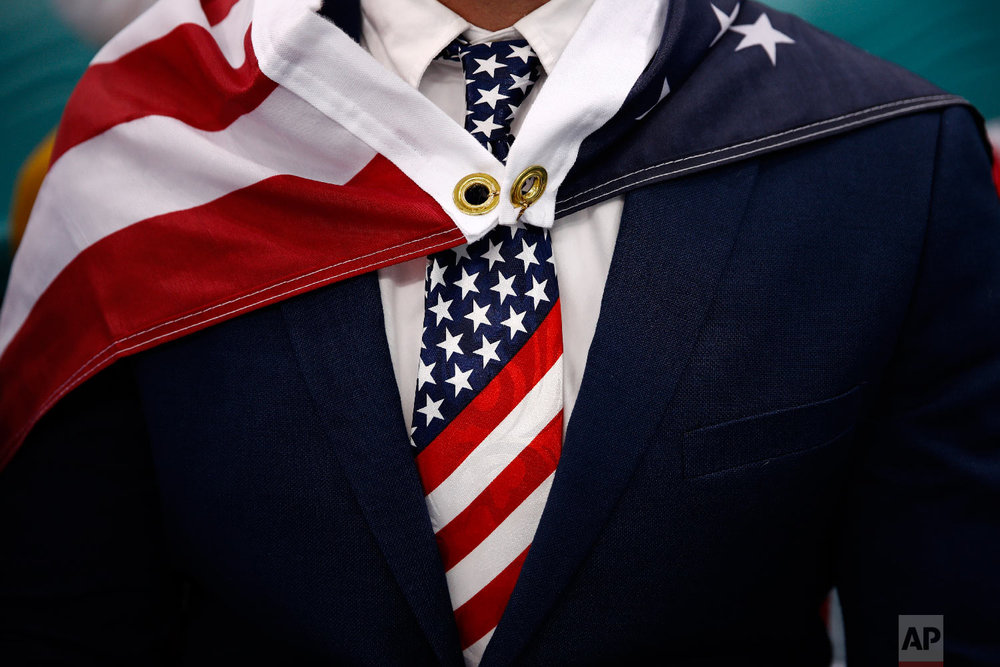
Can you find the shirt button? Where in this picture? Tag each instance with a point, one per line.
(477, 194)
(528, 187)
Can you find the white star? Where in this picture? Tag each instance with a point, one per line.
(527, 254)
(432, 410)
(461, 252)
(489, 65)
(725, 20)
(521, 82)
(460, 380)
(537, 291)
(467, 283)
(513, 111)
(478, 315)
(522, 52)
(441, 309)
(762, 34)
(485, 127)
(422, 332)
(491, 97)
(437, 275)
(424, 374)
(488, 351)
(514, 322)
(504, 287)
(450, 344)
(515, 228)
(493, 254)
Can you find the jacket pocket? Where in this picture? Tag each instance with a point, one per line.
(768, 435)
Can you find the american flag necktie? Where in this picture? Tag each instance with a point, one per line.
(487, 422)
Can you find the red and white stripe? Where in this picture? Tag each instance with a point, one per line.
(487, 477)
(187, 188)
(211, 161)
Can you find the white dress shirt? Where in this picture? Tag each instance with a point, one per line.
(405, 36)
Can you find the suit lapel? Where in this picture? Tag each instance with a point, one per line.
(673, 245)
(339, 337)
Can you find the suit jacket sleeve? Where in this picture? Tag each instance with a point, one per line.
(83, 578)
(921, 534)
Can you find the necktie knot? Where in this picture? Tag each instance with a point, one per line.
(498, 77)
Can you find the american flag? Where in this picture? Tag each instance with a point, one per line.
(187, 187)
(211, 161)
(221, 155)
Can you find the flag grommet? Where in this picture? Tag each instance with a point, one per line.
(477, 194)
(529, 186)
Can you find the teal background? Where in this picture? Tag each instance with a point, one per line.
(40, 61)
(955, 44)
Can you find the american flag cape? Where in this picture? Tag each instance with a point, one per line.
(222, 155)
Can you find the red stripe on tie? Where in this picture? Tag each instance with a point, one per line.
(174, 274)
(183, 75)
(504, 494)
(482, 612)
(217, 10)
(492, 405)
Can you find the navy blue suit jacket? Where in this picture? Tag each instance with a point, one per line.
(794, 385)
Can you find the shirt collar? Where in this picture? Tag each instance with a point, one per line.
(549, 28)
(409, 34)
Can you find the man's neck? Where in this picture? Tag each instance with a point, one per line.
(492, 14)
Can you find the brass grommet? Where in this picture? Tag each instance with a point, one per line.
(477, 194)
(529, 186)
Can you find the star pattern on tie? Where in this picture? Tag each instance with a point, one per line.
(507, 287)
(431, 409)
(499, 77)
